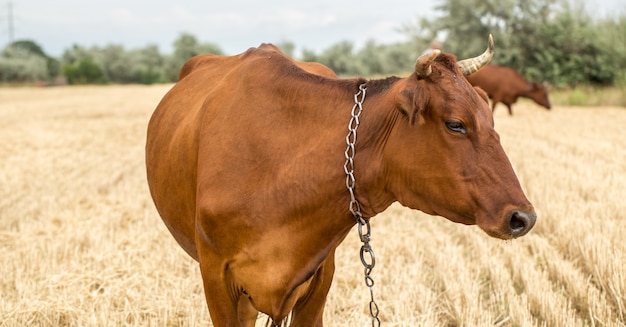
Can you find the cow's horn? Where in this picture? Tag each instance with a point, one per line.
(422, 65)
(472, 65)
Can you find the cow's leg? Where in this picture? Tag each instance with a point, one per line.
(494, 102)
(510, 110)
(222, 302)
(247, 313)
(309, 310)
(223, 309)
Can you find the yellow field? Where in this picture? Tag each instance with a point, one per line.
(82, 245)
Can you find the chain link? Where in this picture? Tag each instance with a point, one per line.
(363, 225)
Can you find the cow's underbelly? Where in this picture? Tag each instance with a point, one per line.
(272, 261)
(171, 158)
(509, 99)
(276, 282)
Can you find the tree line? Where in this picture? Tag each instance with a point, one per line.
(552, 41)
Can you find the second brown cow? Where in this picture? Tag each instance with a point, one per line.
(504, 84)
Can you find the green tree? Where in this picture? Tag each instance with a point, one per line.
(549, 40)
(340, 58)
(115, 63)
(185, 47)
(80, 66)
(84, 71)
(465, 24)
(29, 46)
(399, 58)
(18, 65)
(309, 55)
(287, 47)
(369, 60)
(148, 65)
(25, 61)
(612, 38)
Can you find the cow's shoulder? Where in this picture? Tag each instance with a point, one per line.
(256, 60)
(309, 66)
(212, 64)
(269, 57)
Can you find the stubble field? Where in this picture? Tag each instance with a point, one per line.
(82, 245)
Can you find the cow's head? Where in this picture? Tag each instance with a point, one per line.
(539, 94)
(444, 156)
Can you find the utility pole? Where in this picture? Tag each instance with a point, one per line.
(10, 20)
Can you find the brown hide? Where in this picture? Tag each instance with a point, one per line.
(245, 158)
(504, 84)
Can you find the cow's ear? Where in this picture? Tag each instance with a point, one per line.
(408, 106)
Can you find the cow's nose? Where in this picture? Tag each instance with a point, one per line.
(520, 222)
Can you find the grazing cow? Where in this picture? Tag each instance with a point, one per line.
(504, 84)
(246, 163)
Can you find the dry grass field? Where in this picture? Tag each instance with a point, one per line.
(82, 245)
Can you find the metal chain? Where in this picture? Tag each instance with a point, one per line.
(367, 254)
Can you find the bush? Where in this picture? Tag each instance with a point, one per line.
(20, 64)
(149, 76)
(84, 71)
(546, 40)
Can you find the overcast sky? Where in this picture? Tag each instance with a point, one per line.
(234, 25)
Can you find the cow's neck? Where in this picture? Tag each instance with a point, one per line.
(378, 119)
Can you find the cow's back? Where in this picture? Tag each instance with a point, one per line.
(489, 78)
(502, 84)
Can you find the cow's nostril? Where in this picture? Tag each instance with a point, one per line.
(517, 223)
(520, 222)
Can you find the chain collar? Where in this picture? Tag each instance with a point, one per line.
(367, 254)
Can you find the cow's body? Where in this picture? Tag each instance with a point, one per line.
(245, 161)
(504, 84)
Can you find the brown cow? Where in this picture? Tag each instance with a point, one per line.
(245, 159)
(504, 84)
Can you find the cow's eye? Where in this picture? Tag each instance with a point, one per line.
(456, 126)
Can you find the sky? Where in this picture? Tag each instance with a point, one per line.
(233, 25)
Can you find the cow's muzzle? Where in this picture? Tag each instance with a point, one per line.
(521, 222)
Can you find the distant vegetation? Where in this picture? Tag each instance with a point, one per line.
(550, 41)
